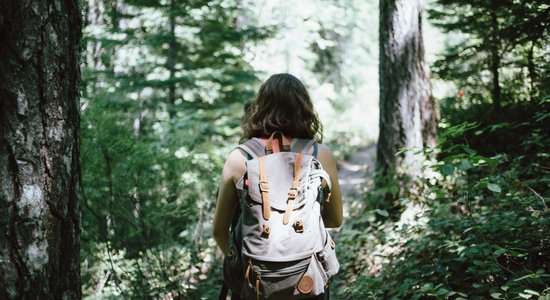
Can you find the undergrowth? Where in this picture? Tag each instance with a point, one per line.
(475, 226)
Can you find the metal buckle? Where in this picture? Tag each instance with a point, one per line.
(292, 194)
(264, 186)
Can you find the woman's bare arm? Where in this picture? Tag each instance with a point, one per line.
(332, 211)
(227, 201)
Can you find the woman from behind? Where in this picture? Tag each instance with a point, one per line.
(281, 105)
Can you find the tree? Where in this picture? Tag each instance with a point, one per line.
(408, 114)
(502, 40)
(39, 150)
(164, 83)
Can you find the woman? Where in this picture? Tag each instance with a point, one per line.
(282, 104)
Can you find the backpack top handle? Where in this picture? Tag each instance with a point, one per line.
(284, 143)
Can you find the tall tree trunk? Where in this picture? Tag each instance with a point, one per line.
(495, 61)
(532, 71)
(39, 149)
(408, 114)
(171, 61)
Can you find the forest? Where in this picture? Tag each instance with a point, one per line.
(117, 116)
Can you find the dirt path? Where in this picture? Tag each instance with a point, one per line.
(354, 172)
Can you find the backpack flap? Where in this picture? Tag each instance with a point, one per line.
(286, 238)
(279, 176)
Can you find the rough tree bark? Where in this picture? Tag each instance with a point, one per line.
(39, 149)
(408, 114)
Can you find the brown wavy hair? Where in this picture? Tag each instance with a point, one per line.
(282, 104)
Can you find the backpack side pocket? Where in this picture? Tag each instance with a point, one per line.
(327, 258)
(233, 273)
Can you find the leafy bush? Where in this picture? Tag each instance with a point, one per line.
(475, 226)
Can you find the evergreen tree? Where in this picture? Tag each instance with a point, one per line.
(165, 83)
(500, 40)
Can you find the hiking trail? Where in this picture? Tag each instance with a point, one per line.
(354, 173)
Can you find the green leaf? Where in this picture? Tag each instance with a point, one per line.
(494, 187)
(382, 212)
(394, 189)
(447, 169)
(479, 262)
(525, 296)
(465, 165)
(496, 296)
(532, 292)
(469, 150)
(500, 252)
(401, 151)
(426, 287)
(469, 228)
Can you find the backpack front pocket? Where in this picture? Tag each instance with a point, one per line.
(283, 280)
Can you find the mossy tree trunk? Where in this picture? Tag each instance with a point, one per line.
(39, 149)
(408, 114)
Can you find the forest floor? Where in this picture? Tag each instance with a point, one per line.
(355, 172)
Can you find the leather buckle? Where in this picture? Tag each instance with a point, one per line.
(264, 186)
(292, 194)
(299, 226)
(265, 231)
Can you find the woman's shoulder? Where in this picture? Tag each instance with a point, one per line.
(323, 148)
(235, 165)
(236, 157)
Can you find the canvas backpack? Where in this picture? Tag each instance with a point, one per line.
(279, 247)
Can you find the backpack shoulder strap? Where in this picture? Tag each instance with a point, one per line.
(304, 146)
(299, 145)
(253, 148)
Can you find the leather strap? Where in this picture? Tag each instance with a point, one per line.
(294, 189)
(258, 279)
(247, 272)
(284, 143)
(264, 189)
